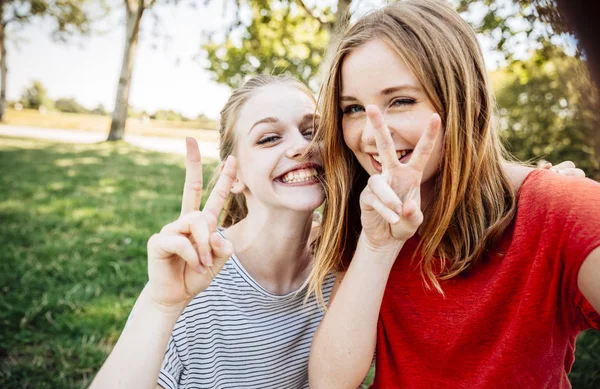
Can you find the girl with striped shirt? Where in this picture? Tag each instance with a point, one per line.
(227, 305)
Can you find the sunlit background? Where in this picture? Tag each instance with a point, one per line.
(76, 212)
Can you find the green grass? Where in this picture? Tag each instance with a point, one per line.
(74, 222)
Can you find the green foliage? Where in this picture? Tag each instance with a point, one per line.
(509, 23)
(75, 222)
(36, 96)
(99, 110)
(69, 16)
(69, 105)
(281, 38)
(168, 115)
(548, 110)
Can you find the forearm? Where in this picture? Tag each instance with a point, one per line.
(137, 357)
(344, 343)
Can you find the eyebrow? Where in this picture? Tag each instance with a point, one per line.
(387, 91)
(269, 119)
(306, 120)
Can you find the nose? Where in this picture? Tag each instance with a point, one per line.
(298, 146)
(368, 133)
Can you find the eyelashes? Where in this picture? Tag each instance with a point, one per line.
(308, 134)
(401, 102)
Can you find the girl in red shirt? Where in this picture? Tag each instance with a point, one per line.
(460, 271)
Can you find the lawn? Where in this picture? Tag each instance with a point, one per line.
(74, 221)
(199, 129)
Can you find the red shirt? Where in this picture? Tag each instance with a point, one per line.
(511, 321)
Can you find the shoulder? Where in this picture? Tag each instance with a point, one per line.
(553, 188)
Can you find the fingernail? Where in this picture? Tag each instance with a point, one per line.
(200, 269)
(395, 219)
(399, 209)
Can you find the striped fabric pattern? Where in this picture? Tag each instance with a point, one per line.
(236, 334)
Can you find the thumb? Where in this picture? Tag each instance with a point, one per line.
(222, 249)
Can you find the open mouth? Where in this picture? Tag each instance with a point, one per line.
(402, 156)
(303, 175)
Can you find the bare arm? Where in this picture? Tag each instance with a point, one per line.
(182, 259)
(588, 279)
(141, 348)
(343, 346)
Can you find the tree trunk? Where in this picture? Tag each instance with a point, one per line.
(3, 68)
(342, 15)
(134, 11)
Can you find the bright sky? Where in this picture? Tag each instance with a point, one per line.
(165, 77)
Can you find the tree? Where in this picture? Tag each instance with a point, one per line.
(285, 36)
(69, 105)
(134, 10)
(36, 96)
(70, 16)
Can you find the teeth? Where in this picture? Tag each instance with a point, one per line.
(299, 175)
(399, 154)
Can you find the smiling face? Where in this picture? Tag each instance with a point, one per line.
(273, 131)
(375, 74)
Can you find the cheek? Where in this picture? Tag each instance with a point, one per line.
(351, 134)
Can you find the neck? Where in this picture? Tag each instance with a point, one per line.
(273, 247)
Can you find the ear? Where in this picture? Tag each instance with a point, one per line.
(238, 185)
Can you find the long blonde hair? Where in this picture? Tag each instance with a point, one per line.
(474, 202)
(235, 208)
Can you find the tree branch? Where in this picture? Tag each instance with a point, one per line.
(312, 14)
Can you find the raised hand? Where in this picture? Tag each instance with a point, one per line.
(184, 257)
(391, 202)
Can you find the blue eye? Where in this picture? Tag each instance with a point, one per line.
(308, 134)
(268, 139)
(403, 102)
(351, 109)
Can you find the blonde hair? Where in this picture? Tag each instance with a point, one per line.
(473, 202)
(235, 208)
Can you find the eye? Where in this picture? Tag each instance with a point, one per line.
(352, 109)
(268, 139)
(403, 102)
(309, 133)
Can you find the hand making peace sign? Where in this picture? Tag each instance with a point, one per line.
(187, 253)
(391, 202)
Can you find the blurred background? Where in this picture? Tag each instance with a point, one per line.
(76, 210)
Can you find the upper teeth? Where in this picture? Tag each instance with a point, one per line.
(299, 175)
(399, 154)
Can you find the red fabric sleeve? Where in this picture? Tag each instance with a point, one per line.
(574, 210)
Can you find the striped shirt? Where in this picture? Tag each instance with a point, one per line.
(236, 334)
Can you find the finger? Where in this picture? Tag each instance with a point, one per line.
(222, 188)
(201, 233)
(182, 225)
(168, 245)
(412, 213)
(222, 248)
(383, 139)
(547, 165)
(424, 147)
(192, 189)
(572, 172)
(372, 201)
(565, 165)
(384, 192)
